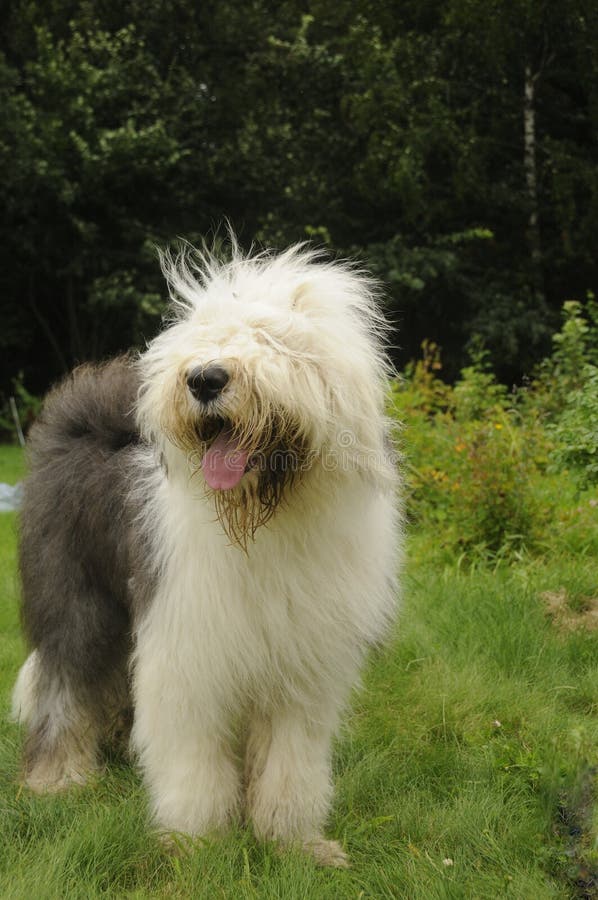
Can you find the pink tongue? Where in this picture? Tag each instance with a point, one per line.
(224, 463)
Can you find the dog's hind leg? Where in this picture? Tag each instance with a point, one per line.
(69, 694)
(62, 741)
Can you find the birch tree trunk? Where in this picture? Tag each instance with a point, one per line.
(531, 178)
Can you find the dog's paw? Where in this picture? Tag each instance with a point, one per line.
(327, 853)
(177, 843)
(48, 779)
(181, 843)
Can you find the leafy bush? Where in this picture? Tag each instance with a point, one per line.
(495, 507)
(471, 458)
(576, 431)
(477, 394)
(575, 346)
(565, 392)
(423, 402)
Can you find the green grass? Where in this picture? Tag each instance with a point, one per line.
(472, 742)
(12, 465)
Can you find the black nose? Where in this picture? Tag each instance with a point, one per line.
(205, 383)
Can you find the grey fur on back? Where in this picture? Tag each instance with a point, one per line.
(75, 549)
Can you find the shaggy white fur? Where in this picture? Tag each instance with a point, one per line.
(246, 655)
(275, 635)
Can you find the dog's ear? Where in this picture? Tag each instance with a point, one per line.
(300, 296)
(315, 294)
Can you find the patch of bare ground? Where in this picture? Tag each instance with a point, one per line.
(567, 618)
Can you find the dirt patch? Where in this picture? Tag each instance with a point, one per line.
(564, 617)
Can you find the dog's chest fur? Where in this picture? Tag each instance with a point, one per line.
(266, 624)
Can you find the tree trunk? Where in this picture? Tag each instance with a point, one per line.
(77, 348)
(45, 326)
(531, 178)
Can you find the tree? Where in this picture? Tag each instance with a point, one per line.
(392, 132)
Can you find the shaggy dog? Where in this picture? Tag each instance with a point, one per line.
(210, 538)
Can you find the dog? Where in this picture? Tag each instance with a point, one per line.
(210, 539)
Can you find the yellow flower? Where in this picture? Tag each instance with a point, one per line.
(498, 426)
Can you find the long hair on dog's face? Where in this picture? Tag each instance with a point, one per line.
(253, 382)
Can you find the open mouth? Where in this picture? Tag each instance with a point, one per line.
(209, 427)
(224, 462)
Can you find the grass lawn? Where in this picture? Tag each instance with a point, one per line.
(12, 466)
(465, 769)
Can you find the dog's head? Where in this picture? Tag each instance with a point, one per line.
(272, 366)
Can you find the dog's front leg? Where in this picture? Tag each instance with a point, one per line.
(289, 784)
(189, 769)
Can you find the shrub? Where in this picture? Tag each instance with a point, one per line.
(495, 508)
(477, 393)
(470, 458)
(575, 346)
(576, 431)
(422, 402)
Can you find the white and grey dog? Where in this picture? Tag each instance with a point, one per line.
(210, 538)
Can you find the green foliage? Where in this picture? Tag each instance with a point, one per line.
(575, 347)
(477, 392)
(392, 133)
(576, 430)
(476, 457)
(495, 509)
(472, 459)
(421, 389)
(96, 157)
(565, 392)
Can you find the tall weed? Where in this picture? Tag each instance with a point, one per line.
(575, 432)
(575, 346)
(471, 458)
(566, 389)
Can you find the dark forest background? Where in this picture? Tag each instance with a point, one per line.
(450, 145)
